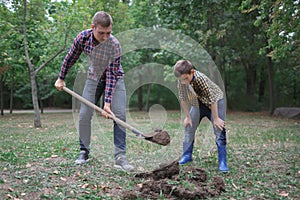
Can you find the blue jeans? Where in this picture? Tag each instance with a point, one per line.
(197, 114)
(92, 92)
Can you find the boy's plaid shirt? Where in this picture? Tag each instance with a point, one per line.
(202, 88)
(104, 57)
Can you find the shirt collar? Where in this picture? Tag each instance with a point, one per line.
(193, 79)
(94, 40)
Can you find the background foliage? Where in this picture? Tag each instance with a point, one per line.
(255, 45)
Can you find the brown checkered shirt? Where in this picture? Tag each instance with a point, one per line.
(202, 88)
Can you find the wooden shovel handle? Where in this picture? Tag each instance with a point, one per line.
(117, 120)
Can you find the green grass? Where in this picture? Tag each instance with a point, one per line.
(263, 157)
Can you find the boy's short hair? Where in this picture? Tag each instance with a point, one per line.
(182, 67)
(103, 19)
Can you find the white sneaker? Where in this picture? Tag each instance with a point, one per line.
(82, 158)
(122, 163)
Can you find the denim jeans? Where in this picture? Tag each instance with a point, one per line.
(197, 113)
(92, 92)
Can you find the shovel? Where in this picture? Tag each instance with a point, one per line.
(158, 136)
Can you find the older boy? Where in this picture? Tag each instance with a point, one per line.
(206, 100)
(105, 74)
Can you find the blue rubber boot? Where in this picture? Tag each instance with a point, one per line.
(222, 158)
(187, 153)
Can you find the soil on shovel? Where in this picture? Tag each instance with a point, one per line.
(160, 137)
(172, 182)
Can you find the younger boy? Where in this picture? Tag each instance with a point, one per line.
(206, 100)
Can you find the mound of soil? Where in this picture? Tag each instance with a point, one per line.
(174, 182)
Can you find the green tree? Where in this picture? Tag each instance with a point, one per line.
(33, 48)
(143, 14)
(281, 23)
(12, 61)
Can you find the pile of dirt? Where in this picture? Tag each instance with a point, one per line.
(174, 182)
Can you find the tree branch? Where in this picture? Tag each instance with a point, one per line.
(56, 54)
(50, 59)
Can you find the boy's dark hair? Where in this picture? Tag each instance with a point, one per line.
(103, 19)
(182, 67)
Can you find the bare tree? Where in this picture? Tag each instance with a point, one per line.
(34, 71)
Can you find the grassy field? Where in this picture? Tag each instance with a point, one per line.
(263, 156)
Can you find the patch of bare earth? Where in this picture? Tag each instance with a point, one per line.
(174, 182)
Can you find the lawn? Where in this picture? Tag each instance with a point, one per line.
(263, 156)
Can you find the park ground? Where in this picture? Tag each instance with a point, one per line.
(38, 163)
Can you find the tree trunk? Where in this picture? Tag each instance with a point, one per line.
(140, 98)
(271, 86)
(41, 105)
(149, 72)
(140, 93)
(35, 103)
(1, 95)
(40, 101)
(295, 90)
(250, 79)
(148, 97)
(262, 83)
(11, 97)
(223, 74)
(32, 74)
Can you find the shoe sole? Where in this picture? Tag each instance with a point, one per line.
(81, 163)
(120, 167)
(224, 171)
(185, 162)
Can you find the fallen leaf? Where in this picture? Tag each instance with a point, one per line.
(104, 187)
(248, 164)
(78, 174)
(63, 179)
(234, 185)
(284, 194)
